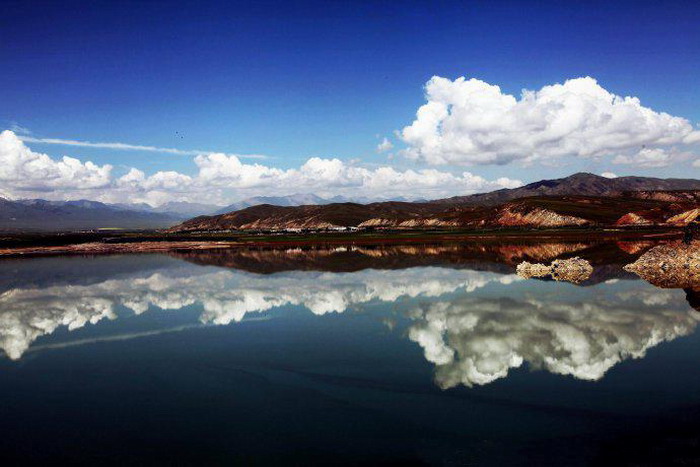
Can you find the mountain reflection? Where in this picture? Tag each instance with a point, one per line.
(473, 325)
(485, 255)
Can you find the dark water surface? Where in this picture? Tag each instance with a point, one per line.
(435, 355)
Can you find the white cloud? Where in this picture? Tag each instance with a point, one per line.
(385, 146)
(608, 175)
(652, 158)
(19, 129)
(220, 179)
(123, 146)
(23, 170)
(473, 122)
(335, 176)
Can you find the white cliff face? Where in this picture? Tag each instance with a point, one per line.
(225, 296)
(476, 341)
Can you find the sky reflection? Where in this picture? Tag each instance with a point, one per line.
(473, 326)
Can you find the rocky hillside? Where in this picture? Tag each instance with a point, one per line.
(540, 212)
(269, 217)
(580, 184)
(576, 201)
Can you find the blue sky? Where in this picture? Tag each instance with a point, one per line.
(294, 80)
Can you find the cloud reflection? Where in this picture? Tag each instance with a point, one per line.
(475, 341)
(471, 335)
(225, 297)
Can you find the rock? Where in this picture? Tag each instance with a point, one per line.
(538, 217)
(571, 270)
(692, 296)
(684, 218)
(674, 265)
(529, 270)
(632, 219)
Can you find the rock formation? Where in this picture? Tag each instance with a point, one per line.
(684, 218)
(632, 219)
(674, 265)
(573, 270)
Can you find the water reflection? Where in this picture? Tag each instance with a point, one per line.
(224, 296)
(477, 341)
(473, 318)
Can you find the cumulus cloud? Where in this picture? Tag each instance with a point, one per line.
(332, 177)
(220, 178)
(474, 122)
(23, 170)
(652, 158)
(609, 175)
(385, 146)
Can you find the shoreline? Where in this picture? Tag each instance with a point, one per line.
(135, 243)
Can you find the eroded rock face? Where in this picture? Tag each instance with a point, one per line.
(538, 218)
(684, 218)
(632, 219)
(570, 270)
(406, 224)
(674, 265)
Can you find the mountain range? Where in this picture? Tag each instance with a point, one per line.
(575, 200)
(583, 184)
(581, 199)
(43, 215)
(298, 199)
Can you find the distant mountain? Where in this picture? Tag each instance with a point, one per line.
(187, 209)
(578, 200)
(179, 209)
(579, 184)
(42, 215)
(299, 199)
(133, 206)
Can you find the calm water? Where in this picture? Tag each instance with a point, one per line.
(403, 356)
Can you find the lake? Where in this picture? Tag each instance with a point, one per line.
(343, 355)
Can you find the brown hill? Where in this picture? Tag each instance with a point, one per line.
(684, 218)
(632, 219)
(579, 184)
(575, 211)
(671, 196)
(578, 200)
